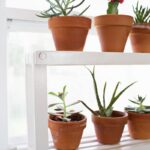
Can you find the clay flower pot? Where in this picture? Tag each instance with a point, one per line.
(69, 32)
(113, 31)
(140, 38)
(139, 125)
(109, 129)
(67, 135)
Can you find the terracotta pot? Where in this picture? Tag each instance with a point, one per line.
(139, 125)
(69, 32)
(67, 135)
(113, 31)
(140, 38)
(109, 129)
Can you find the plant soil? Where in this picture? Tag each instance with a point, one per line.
(73, 117)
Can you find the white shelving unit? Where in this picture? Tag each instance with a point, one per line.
(36, 76)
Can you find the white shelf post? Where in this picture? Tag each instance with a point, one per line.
(36, 76)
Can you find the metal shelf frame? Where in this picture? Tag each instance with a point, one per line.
(36, 84)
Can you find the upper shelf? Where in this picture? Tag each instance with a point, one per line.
(90, 58)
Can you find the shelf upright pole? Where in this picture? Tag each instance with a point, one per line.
(3, 79)
(37, 118)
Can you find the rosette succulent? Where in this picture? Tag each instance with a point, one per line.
(61, 110)
(139, 106)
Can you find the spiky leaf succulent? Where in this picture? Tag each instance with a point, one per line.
(103, 110)
(142, 14)
(61, 8)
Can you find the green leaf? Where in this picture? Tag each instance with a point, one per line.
(114, 93)
(84, 10)
(53, 94)
(64, 89)
(141, 99)
(104, 91)
(146, 110)
(130, 108)
(147, 107)
(101, 109)
(77, 102)
(92, 111)
(134, 102)
(62, 9)
(74, 112)
(117, 96)
(54, 104)
(77, 5)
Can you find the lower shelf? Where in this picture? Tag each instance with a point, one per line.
(90, 143)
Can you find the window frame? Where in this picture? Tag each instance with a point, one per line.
(3, 79)
(14, 20)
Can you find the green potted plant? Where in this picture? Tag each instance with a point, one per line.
(66, 125)
(113, 29)
(140, 35)
(69, 30)
(108, 123)
(139, 119)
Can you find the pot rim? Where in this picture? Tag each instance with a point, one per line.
(113, 20)
(141, 24)
(114, 15)
(138, 114)
(69, 21)
(141, 28)
(86, 17)
(125, 115)
(69, 123)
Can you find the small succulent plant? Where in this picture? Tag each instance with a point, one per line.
(113, 6)
(142, 14)
(103, 110)
(61, 8)
(61, 110)
(140, 107)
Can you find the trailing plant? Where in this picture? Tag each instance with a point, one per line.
(61, 109)
(142, 14)
(61, 8)
(113, 6)
(140, 107)
(103, 110)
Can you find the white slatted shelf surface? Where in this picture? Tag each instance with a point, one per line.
(87, 58)
(126, 143)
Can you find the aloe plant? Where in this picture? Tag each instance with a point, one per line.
(140, 107)
(61, 110)
(61, 8)
(103, 110)
(142, 14)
